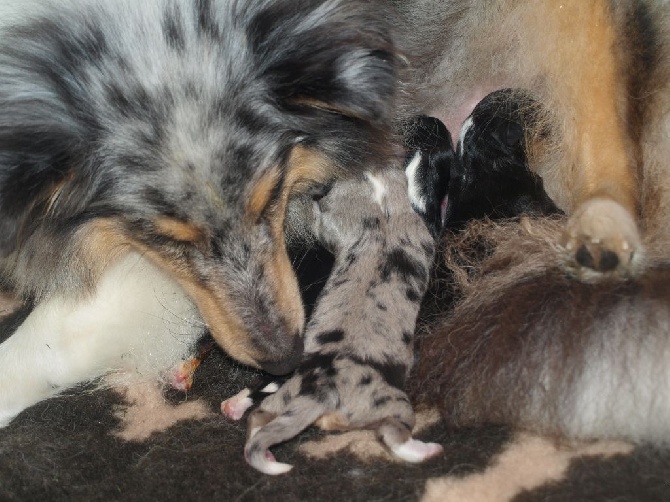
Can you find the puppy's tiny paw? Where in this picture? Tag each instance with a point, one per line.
(602, 237)
(235, 407)
(416, 451)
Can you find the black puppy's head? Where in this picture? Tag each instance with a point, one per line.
(491, 176)
(181, 130)
(428, 163)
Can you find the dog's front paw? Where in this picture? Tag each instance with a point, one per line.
(602, 237)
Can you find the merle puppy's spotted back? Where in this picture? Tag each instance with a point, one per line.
(358, 343)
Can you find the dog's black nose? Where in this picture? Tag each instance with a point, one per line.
(287, 364)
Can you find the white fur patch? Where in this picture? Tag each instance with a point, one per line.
(138, 321)
(270, 388)
(418, 202)
(467, 125)
(272, 467)
(379, 188)
(415, 451)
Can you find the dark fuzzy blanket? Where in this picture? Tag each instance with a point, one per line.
(73, 448)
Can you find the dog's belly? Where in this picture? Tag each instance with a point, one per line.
(453, 112)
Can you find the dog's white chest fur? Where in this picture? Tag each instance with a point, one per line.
(138, 322)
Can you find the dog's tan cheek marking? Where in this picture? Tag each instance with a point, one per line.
(103, 242)
(304, 168)
(261, 194)
(227, 330)
(177, 229)
(215, 307)
(588, 77)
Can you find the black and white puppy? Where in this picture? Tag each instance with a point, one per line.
(492, 178)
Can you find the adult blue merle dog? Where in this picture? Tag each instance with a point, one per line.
(148, 151)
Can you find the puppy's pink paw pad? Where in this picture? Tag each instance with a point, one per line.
(235, 407)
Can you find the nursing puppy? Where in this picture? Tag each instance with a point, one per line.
(599, 67)
(148, 151)
(358, 342)
(531, 346)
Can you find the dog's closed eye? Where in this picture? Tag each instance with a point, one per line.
(318, 192)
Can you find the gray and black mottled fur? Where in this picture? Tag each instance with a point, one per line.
(358, 343)
(176, 131)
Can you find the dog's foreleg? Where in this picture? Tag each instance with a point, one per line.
(138, 320)
(600, 174)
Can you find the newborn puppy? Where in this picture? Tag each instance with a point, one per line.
(358, 343)
(491, 177)
(429, 160)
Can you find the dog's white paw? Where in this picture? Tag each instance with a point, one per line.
(416, 451)
(602, 237)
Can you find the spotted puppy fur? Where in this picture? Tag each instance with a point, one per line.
(358, 344)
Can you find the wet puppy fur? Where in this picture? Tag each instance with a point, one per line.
(600, 69)
(358, 342)
(178, 133)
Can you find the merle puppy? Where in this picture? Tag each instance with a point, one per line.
(358, 343)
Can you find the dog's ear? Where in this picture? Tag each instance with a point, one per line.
(40, 142)
(33, 169)
(337, 56)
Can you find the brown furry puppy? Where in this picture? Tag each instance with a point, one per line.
(598, 67)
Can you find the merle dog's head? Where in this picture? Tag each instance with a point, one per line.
(181, 130)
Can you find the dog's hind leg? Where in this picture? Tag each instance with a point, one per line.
(397, 436)
(267, 429)
(137, 320)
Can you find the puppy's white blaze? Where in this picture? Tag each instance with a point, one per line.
(413, 190)
(415, 451)
(379, 188)
(138, 321)
(467, 125)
